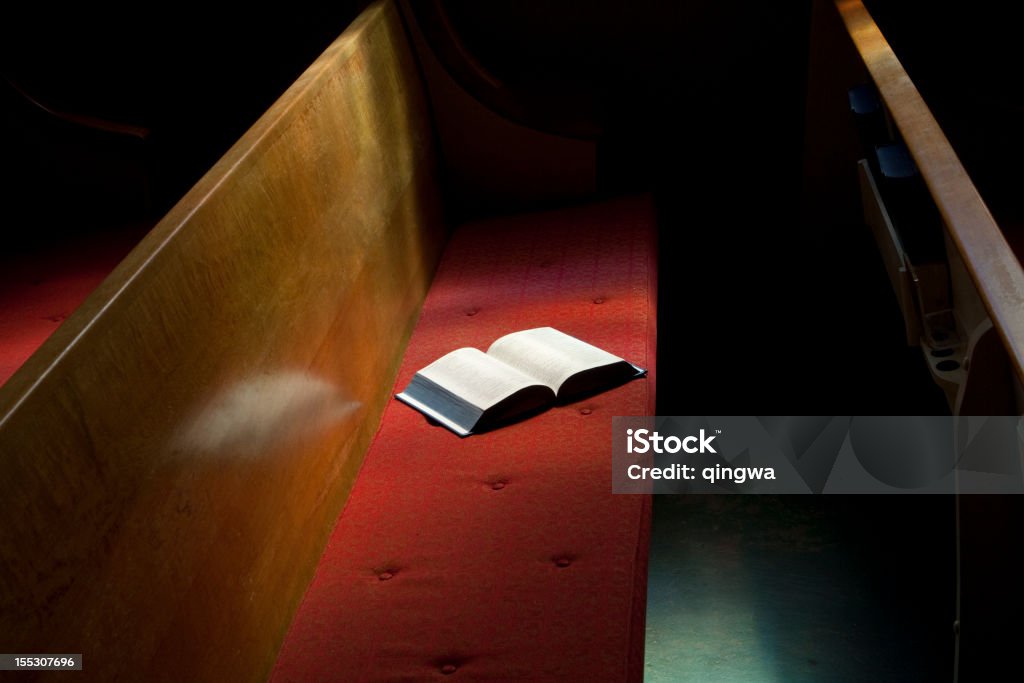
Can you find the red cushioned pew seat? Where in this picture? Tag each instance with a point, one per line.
(40, 288)
(505, 555)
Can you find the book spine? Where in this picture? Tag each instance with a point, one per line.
(433, 414)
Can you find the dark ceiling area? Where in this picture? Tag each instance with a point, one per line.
(194, 80)
(675, 93)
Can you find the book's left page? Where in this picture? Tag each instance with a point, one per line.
(467, 390)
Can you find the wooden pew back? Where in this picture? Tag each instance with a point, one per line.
(174, 457)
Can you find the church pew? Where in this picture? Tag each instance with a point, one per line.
(985, 279)
(176, 455)
(986, 294)
(501, 556)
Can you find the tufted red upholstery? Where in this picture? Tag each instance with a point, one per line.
(502, 556)
(39, 290)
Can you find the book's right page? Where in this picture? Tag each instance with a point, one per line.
(569, 366)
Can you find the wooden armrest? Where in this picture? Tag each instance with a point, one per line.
(993, 267)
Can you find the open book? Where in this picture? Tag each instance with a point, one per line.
(470, 391)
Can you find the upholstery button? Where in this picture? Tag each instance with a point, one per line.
(563, 562)
(498, 485)
(384, 576)
(587, 411)
(472, 311)
(599, 300)
(448, 669)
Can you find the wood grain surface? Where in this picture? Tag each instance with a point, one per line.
(174, 457)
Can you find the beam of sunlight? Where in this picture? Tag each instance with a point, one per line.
(262, 413)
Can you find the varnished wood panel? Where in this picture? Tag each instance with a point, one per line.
(173, 458)
(993, 267)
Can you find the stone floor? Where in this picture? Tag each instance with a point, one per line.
(801, 588)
